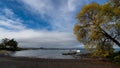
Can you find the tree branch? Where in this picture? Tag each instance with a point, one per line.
(108, 36)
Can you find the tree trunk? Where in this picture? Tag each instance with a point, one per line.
(113, 39)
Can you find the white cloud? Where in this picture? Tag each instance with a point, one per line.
(8, 20)
(62, 18)
(32, 38)
(61, 12)
(10, 25)
(8, 12)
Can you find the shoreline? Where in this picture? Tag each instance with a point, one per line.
(25, 62)
(7, 61)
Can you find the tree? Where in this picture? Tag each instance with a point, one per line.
(12, 44)
(9, 44)
(98, 27)
(3, 44)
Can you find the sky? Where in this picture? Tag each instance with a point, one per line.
(41, 23)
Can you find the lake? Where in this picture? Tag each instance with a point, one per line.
(52, 54)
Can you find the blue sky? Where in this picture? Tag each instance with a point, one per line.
(41, 22)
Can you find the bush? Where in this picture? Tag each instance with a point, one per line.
(103, 50)
(115, 57)
(9, 44)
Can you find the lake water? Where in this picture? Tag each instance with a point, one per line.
(52, 54)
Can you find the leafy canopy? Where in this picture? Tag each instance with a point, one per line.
(98, 26)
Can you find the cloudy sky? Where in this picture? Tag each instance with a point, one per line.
(41, 23)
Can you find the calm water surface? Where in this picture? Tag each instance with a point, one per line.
(53, 54)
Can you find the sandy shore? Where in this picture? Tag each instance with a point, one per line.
(22, 62)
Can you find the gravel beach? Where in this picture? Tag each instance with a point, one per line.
(23, 62)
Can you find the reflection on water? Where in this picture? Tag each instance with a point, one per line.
(53, 54)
